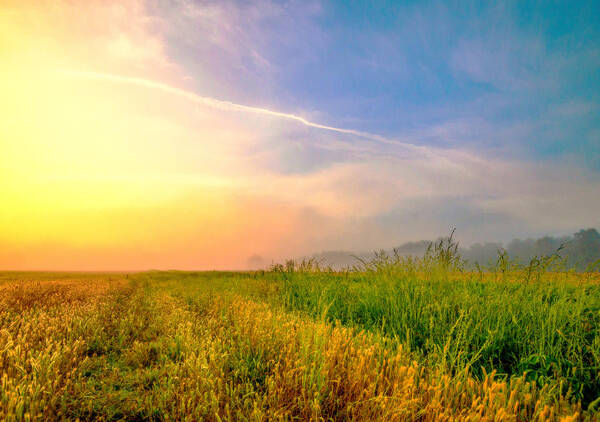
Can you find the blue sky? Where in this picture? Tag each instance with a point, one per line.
(519, 79)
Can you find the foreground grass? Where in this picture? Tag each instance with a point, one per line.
(263, 346)
(548, 329)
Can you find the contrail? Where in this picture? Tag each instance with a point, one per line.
(227, 105)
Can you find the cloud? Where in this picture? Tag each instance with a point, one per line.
(224, 105)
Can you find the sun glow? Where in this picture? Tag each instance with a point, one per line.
(90, 166)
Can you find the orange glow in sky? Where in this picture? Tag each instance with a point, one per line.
(105, 176)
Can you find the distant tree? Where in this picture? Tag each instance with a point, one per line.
(413, 248)
(546, 246)
(584, 248)
(255, 262)
(522, 250)
(482, 254)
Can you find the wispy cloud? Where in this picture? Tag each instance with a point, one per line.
(227, 105)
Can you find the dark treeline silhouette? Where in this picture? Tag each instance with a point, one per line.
(579, 251)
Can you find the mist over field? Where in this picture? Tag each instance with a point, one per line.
(578, 251)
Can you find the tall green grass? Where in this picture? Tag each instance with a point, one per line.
(541, 320)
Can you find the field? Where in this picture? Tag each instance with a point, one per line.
(396, 339)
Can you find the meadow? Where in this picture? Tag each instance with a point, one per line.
(393, 339)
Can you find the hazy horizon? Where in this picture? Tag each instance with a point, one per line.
(325, 258)
(144, 134)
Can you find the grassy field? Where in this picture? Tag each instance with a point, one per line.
(396, 339)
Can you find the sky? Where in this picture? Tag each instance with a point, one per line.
(151, 134)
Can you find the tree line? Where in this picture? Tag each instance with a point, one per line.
(580, 251)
